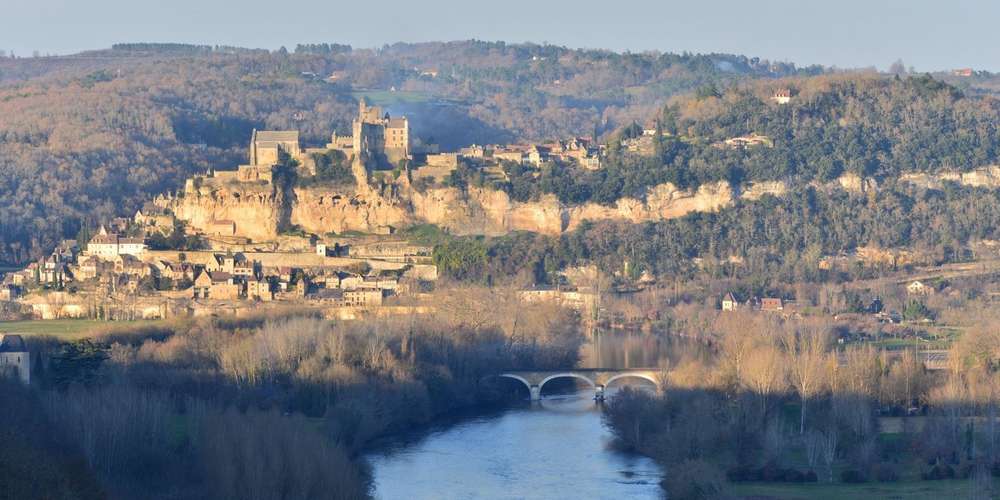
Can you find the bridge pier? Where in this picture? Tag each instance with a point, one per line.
(536, 393)
(598, 393)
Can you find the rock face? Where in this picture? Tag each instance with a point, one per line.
(854, 183)
(485, 211)
(259, 211)
(322, 211)
(256, 212)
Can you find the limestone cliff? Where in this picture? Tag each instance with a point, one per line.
(322, 211)
(259, 211)
(254, 210)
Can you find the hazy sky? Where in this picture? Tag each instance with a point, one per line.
(847, 33)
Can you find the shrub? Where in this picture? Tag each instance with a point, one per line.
(886, 473)
(939, 472)
(794, 476)
(743, 473)
(853, 476)
(694, 480)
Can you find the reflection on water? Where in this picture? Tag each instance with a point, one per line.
(556, 450)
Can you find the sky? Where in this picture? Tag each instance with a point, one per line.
(927, 35)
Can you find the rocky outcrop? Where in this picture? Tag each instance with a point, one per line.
(757, 190)
(486, 211)
(854, 183)
(255, 211)
(322, 211)
(259, 212)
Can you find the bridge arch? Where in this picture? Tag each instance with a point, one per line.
(523, 380)
(566, 375)
(644, 376)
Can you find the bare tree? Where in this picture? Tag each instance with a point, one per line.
(814, 448)
(809, 365)
(764, 373)
(829, 451)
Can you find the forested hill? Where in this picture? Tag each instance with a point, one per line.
(868, 124)
(93, 135)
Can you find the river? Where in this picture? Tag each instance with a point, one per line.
(556, 449)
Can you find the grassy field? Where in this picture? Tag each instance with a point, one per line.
(915, 490)
(69, 329)
(387, 98)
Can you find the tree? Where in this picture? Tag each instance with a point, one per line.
(809, 365)
(764, 373)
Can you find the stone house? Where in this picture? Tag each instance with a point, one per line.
(331, 296)
(216, 285)
(176, 270)
(362, 298)
(14, 357)
(90, 267)
(266, 145)
(128, 264)
(260, 289)
(351, 281)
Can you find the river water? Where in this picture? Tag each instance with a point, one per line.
(556, 449)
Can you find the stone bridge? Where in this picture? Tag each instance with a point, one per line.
(598, 378)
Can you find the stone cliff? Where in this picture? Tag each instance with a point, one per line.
(259, 212)
(255, 211)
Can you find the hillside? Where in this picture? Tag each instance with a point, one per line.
(93, 135)
(865, 125)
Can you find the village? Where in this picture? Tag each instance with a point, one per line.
(157, 264)
(163, 262)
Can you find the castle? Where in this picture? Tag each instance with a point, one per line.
(377, 138)
(266, 148)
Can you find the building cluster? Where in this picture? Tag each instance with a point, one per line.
(730, 302)
(491, 159)
(233, 277)
(117, 264)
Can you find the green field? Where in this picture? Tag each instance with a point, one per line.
(917, 490)
(69, 329)
(388, 98)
